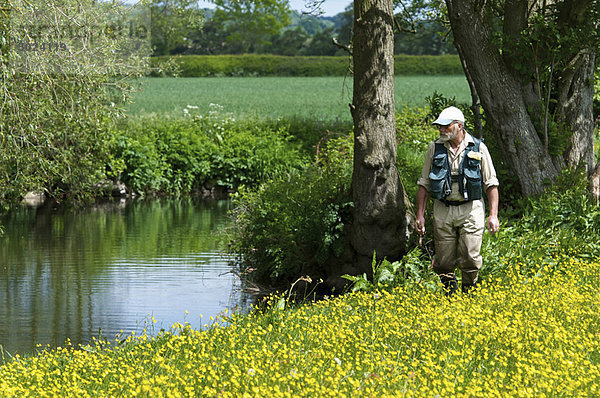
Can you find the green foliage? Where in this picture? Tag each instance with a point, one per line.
(561, 224)
(551, 39)
(59, 103)
(250, 23)
(437, 103)
(261, 27)
(174, 23)
(414, 134)
(185, 155)
(427, 39)
(412, 271)
(558, 135)
(313, 133)
(289, 41)
(566, 204)
(275, 65)
(321, 44)
(427, 65)
(309, 23)
(289, 227)
(258, 65)
(414, 129)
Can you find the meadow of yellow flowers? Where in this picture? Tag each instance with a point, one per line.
(521, 336)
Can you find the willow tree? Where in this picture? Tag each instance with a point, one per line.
(379, 223)
(66, 66)
(531, 64)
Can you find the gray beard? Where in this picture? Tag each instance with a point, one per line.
(446, 138)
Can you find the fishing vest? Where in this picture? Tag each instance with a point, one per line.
(469, 173)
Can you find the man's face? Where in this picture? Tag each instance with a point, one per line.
(449, 132)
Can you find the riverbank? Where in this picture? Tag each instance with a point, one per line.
(519, 335)
(531, 329)
(203, 136)
(201, 155)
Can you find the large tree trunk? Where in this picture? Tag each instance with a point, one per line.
(576, 91)
(511, 101)
(501, 97)
(379, 223)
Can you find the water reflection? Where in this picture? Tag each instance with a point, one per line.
(70, 273)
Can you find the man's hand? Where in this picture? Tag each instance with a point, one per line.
(422, 197)
(420, 225)
(493, 224)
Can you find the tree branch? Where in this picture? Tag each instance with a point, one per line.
(314, 7)
(407, 16)
(401, 29)
(342, 46)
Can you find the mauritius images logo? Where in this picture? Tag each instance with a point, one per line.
(78, 36)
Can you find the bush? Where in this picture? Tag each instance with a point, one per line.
(427, 65)
(184, 155)
(277, 65)
(558, 226)
(414, 134)
(566, 204)
(289, 227)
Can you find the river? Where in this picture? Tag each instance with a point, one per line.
(112, 267)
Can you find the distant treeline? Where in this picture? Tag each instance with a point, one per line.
(277, 65)
(179, 27)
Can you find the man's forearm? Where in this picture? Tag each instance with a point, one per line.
(492, 195)
(422, 197)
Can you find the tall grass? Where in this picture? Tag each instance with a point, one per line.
(320, 98)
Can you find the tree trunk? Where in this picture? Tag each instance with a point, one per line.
(379, 223)
(511, 101)
(500, 94)
(475, 103)
(575, 98)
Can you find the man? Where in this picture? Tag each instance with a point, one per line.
(457, 170)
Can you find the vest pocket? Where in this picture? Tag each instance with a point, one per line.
(473, 179)
(438, 178)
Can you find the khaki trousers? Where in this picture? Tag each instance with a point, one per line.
(457, 234)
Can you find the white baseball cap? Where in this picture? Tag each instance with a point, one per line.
(450, 115)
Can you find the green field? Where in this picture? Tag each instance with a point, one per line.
(324, 98)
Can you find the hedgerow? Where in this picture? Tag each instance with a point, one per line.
(278, 65)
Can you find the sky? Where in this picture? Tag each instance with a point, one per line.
(330, 7)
